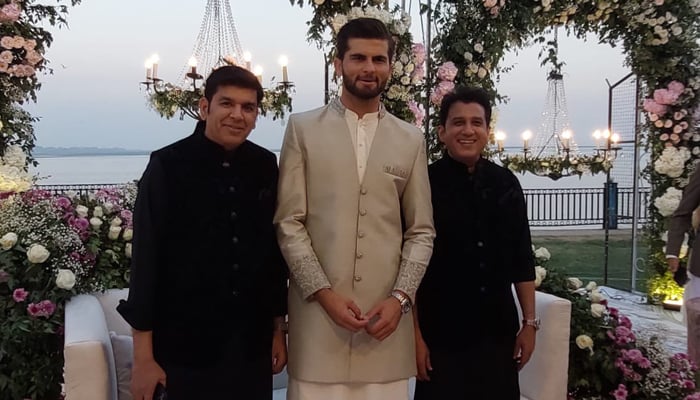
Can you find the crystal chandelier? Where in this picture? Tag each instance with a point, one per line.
(217, 44)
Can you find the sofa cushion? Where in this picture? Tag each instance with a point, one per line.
(123, 346)
(109, 301)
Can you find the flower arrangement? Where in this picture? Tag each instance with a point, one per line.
(24, 39)
(13, 170)
(169, 99)
(402, 95)
(52, 248)
(554, 166)
(607, 359)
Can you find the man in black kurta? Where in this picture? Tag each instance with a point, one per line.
(208, 286)
(469, 341)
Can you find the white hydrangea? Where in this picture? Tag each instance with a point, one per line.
(668, 203)
(672, 161)
(14, 156)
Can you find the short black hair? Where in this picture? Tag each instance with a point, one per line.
(232, 75)
(363, 28)
(464, 94)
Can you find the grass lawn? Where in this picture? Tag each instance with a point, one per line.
(583, 256)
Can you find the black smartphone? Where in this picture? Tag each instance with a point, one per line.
(160, 393)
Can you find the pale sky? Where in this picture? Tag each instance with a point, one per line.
(94, 98)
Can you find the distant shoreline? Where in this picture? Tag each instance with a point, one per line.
(69, 154)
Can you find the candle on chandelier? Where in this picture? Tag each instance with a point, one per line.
(193, 65)
(149, 69)
(283, 62)
(154, 60)
(566, 138)
(527, 135)
(615, 138)
(500, 138)
(258, 71)
(597, 135)
(247, 57)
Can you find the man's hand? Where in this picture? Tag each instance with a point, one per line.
(145, 375)
(384, 318)
(673, 263)
(279, 351)
(343, 311)
(422, 359)
(524, 345)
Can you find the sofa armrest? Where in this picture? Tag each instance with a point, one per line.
(545, 376)
(89, 359)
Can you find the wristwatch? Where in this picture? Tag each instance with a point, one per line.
(535, 323)
(403, 300)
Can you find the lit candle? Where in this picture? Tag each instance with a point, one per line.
(527, 135)
(193, 65)
(500, 138)
(154, 60)
(283, 62)
(258, 71)
(565, 138)
(149, 69)
(597, 135)
(247, 57)
(615, 138)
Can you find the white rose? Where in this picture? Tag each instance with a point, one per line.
(540, 275)
(597, 310)
(128, 234)
(97, 212)
(482, 73)
(65, 279)
(542, 253)
(468, 56)
(37, 254)
(591, 286)
(575, 283)
(95, 222)
(127, 250)
(14, 156)
(82, 211)
(319, 2)
(116, 222)
(114, 232)
(479, 47)
(584, 342)
(596, 297)
(8, 240)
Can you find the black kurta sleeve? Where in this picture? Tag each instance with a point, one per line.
(280, 271)
(138, 310)
(524, 262)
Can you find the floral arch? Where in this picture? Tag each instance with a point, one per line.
(659, 39)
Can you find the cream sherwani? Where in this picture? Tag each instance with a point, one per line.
(362, 234)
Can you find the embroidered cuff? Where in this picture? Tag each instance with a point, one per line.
(410, 275)
(308, 274)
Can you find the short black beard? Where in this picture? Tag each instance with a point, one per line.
(349, 85)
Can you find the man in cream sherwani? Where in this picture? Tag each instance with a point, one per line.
(354, 222)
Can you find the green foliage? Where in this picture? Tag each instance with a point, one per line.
(31, 25)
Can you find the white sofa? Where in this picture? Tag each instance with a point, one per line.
(91, 367)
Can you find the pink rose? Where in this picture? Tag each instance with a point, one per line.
(418, 53)
(447, 71)
(620, 393)
(10, 13)
(665, 96)
(676, 87)
(19, 295)
(44, 308)
(653, 107)
(418, 112)
(663, 137)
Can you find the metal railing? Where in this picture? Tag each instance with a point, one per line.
(545, 207)
(582, 206)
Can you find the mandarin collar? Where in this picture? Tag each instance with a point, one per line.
(340, 108)
(210, 149)
(461, 168)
